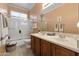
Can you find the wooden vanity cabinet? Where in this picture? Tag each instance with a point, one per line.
(45, 48)
(35, 45)
(60, 51)
(52, 49)
(42, 47)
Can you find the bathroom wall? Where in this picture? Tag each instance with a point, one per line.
(36, 12)
(69, 14)
(4, 6)
(4, 31)
(7, 8)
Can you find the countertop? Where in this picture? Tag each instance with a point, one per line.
(67, 42)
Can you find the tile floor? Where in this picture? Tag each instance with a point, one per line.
(20, 51)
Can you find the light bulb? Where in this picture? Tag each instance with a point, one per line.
(78, 25)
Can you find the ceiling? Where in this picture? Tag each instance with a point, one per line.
(23, 5)
(52, 7)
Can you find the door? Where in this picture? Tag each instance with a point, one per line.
(33, 44)
(45, 48)
(37, 46)
(52, 49)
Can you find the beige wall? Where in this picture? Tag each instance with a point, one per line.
(69, 13)
(3, 5)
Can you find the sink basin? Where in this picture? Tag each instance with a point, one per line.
(43, 33)
(60, 39)
(47, 33)
(51, 34)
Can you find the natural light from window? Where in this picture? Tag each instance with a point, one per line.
(45, 5)
(18, 15)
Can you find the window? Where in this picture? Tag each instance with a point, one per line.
(45, 5)
(18, 15)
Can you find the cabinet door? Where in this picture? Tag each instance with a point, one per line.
(60, 51)
(33, 44)
(45, 48)
(37, 46)
(52, 49)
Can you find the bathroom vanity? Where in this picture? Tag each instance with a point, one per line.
(43, 45)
